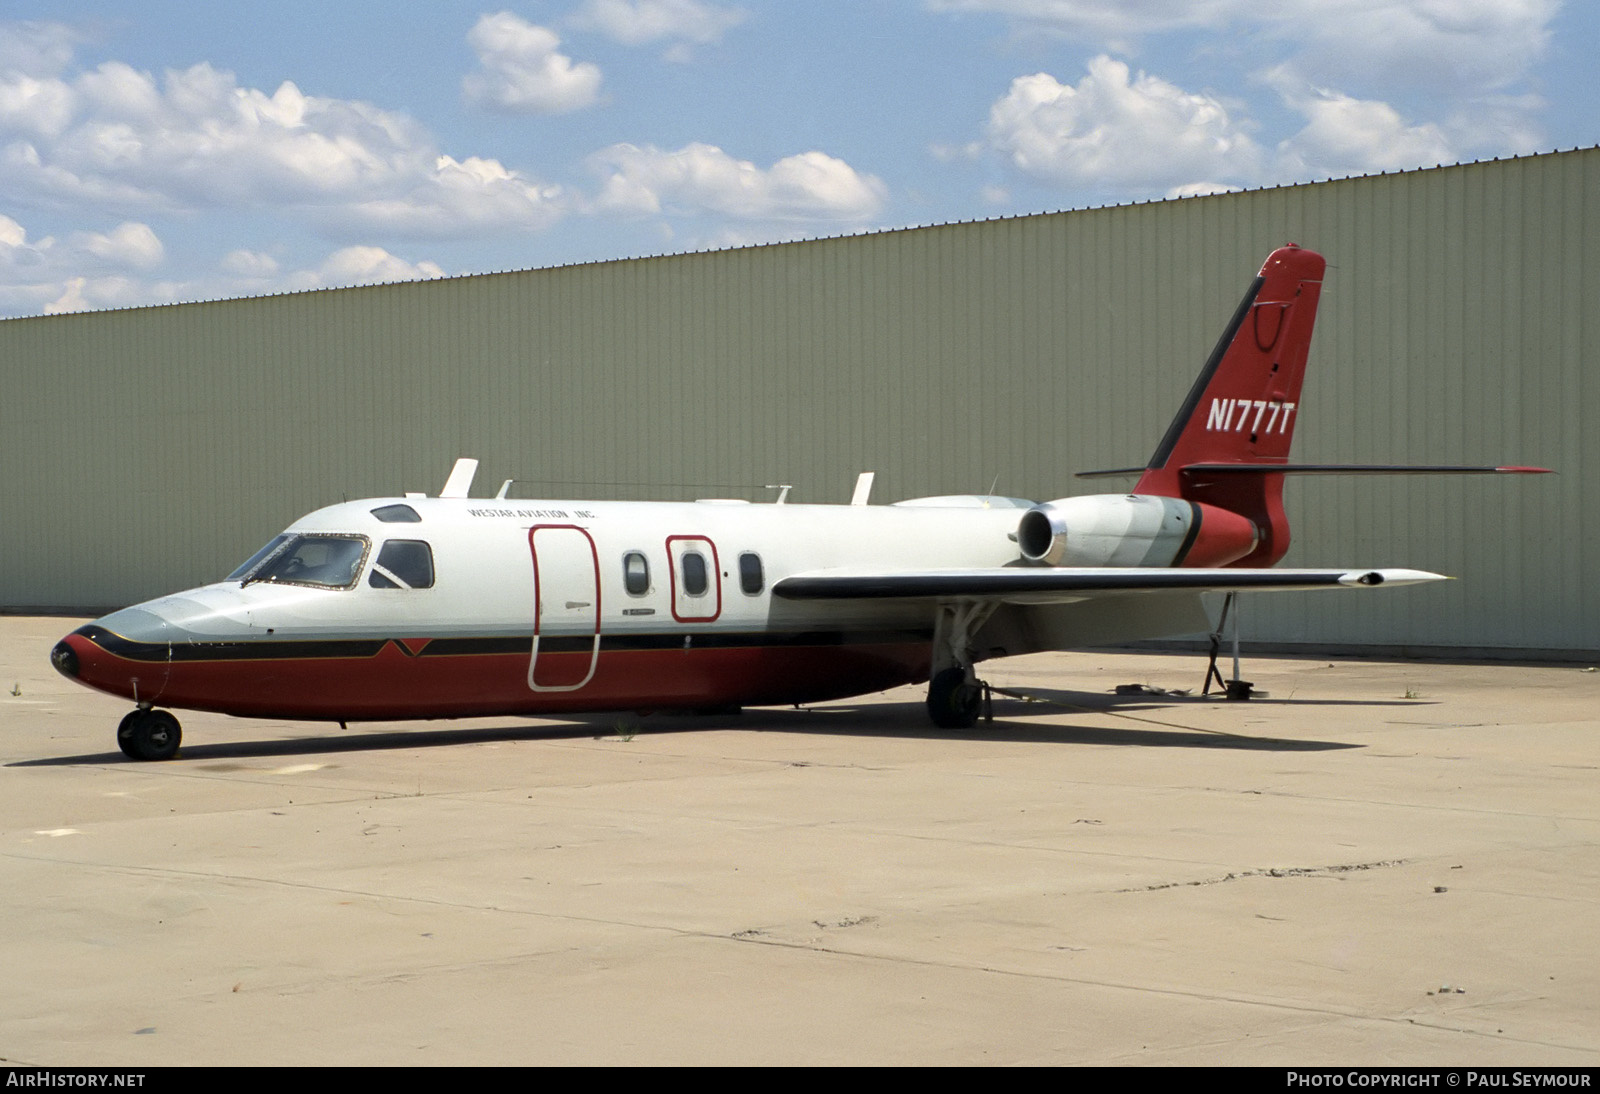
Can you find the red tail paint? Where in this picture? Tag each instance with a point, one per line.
(1243, 406)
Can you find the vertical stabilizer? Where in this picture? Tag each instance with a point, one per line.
(1243, 407)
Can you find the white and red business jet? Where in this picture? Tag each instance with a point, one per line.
(449, 607)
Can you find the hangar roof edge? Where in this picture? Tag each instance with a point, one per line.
(656, 256)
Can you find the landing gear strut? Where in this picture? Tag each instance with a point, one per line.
(149, 735)
(955, 694)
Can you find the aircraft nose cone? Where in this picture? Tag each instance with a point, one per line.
(140, 624)
(65, 660)
(127, 653)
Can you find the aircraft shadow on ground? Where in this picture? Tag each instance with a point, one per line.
(1154, 727)
(342, 741)
(1109, 701)
(1151, 725)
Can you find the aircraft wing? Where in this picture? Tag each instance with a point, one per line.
(1058, 584)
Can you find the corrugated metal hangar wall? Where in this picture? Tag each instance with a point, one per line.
(152, 449)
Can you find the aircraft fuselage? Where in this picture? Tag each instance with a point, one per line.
(544, 606)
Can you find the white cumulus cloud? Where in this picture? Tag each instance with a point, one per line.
(129, 244)
(20, 259)
(86, 294)
(637, 22)
(1380, 84)
(36, 48)
(94, 270)
(521, 70)
(362, 265)
(475, 196)
(34, 106)
(1347, 136)
(1449, 46)
(12, 234)
(701, 178)
(1114, 129)
(249, 265)
(197, 138)
(1109, 18)
(87, 269)
(117, 139)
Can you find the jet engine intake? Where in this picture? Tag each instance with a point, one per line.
(1042, 535)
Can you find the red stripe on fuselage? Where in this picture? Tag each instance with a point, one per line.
(396, 685)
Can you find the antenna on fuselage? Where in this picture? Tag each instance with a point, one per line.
(460, 480)
(863, 488)
(783, 489)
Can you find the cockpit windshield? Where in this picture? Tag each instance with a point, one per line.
(327, 561)
(256, 559)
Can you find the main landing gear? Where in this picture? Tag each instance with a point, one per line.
(149, 735)
(955, 698)
(955, 694)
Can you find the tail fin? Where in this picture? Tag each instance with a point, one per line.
(1243, 406)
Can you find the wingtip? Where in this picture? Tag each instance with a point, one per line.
(1390, 577)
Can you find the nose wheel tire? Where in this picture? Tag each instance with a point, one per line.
(954, 701)
(149, 735)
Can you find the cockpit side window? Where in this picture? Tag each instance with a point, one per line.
(403, 564)
(324, 561)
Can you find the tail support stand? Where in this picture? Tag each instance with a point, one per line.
(1235, 688)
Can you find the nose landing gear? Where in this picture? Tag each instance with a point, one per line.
(149, 735)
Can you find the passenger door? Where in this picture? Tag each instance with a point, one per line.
(566, 607)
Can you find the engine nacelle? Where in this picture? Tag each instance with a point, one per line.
(1134, 530)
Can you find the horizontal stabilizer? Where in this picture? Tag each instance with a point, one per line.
(1357, 469)
(1040, 585)
(1327, 469)
(1109, 474)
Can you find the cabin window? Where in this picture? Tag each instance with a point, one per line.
(751, 577)
(403, 564)
(329, 562)
(635, 573)
(694, 573)
(252, 563)
(397, 514)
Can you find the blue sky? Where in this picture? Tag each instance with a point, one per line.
(182, 151)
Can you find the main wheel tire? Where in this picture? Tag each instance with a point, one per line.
(149, 735)
(954, 702)
(125, 733)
